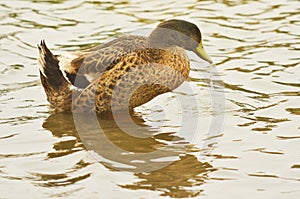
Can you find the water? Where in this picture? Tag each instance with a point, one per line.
(248, 104)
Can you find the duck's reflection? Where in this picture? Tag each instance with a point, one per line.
(62, 126)
(160, 160)
(180, 179)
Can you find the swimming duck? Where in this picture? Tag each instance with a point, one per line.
(123, 73)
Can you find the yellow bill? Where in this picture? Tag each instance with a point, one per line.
(202, 54)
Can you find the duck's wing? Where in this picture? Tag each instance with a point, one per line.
(92, 62)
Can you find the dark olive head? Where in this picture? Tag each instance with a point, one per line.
(180, 33)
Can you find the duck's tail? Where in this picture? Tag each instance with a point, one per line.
(49, 67)
(57, 88)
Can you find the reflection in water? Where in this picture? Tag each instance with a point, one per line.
(160, 160)
(176, 179)
(56, 180)
(62, 125)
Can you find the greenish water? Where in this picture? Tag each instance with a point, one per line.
(251, 115)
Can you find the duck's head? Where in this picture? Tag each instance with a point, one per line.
(179, 33)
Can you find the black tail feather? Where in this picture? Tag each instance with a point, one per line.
(49, 67)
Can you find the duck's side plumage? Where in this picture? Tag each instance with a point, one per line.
(135, 79)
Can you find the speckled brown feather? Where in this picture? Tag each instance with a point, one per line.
(150, 71)
(97, 59)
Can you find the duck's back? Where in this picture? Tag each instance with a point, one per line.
(93, 62)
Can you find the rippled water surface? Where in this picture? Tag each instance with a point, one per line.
(241, 138)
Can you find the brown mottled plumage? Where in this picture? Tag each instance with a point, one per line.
(123, 73)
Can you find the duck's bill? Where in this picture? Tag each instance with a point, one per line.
(202, 54)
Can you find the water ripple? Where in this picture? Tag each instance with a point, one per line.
(255, 46)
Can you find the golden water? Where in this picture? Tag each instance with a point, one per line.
(249, 104)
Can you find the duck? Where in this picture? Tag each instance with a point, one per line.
(123, 73)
